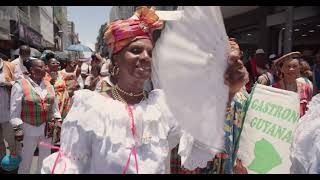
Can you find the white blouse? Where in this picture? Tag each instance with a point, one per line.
(96, 138)
(305, 149)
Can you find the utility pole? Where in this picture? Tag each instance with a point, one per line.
(288, 30)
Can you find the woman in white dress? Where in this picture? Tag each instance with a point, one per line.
(128, 130)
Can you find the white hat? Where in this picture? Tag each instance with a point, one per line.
(260, 51)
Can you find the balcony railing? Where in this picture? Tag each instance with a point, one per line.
(23, 17)
(36, 27)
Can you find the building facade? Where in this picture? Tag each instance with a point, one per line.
(46, 26)
(60, 28)
(29, 25)
(100, 45)
(276, 29)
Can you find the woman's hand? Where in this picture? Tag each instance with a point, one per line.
(236, 75)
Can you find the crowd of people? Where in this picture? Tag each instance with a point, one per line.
(43, 105)
(36, 97)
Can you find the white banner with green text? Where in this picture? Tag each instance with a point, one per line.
(270, 121)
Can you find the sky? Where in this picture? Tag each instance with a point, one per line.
(87, 20)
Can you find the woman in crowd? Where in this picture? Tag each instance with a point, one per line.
(305, 74)
(289, 67)
(129, 121)
(108, 81)
(62, 94)
(70, 76)
(93, 81)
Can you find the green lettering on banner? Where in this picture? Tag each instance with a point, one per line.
(271, 109)
(294, 118)
(286, 113)
(259, 124)
(265, 109)
(253, 122)
(271, 130)
(266, 125)
(280, 131)
(253, 105)
(278, 112)
(288, 137)
(259, 108)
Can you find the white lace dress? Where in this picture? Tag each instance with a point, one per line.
(96, 138)
(305, 149)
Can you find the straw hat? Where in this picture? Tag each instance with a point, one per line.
(287, 57)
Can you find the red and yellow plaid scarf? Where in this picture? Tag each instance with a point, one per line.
(121, 33)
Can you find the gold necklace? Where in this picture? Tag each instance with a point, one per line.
(117, 96)
(126, 93)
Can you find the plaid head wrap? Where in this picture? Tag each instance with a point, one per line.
(120, 33)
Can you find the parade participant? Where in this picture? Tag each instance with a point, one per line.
(305, 74)
(83, 75)
(33, 105)
(105, 67)
(70, 76)
(95, 59)
(93, 81)
(103, 144)
(290, 70)
(61, 92)
(109, 81)
(6, 130)
(24, 55)
(265, 77)
(305, 148)
(316, 74)
(226, 162)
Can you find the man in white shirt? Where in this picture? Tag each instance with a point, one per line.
(85, 69)
(24, 55)
(6, 130)
(33, 106)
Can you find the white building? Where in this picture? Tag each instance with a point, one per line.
(46, 26)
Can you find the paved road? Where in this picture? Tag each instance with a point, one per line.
(34, 165)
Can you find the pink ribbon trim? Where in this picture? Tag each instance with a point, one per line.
(60, 154)
(133, 149)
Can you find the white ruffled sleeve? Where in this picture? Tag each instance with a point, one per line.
(75, 142)
(193, 153)
(305, 149)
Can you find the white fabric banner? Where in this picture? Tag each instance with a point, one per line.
(271, 119)
(189, 60)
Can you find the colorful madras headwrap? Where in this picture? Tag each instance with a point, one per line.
(140, 26)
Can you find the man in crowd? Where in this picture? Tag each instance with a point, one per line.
(24, 55)
(265, 76)
(316, 74)
(6, 130)
(33, 106)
